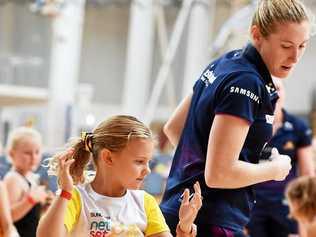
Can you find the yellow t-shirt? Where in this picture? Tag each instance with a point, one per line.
(91, 214)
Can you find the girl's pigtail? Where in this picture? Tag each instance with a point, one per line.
(82, 154)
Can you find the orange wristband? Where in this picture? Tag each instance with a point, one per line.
(65, 194)
(30, 200)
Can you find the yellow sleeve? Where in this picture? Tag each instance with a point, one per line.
(73, 210)
(155, 221)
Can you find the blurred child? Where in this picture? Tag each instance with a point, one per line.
(25, 195)
(111, 205)
(5, 217)
(301, 195)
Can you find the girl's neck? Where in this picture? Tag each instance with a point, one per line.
(21, 171)
(107, 185)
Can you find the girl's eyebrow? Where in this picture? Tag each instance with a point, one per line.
(144, 157)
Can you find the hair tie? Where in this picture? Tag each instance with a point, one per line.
(87, 139)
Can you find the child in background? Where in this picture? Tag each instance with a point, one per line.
(25, 195)
(5, 217)
(301, 195)
(111, 205)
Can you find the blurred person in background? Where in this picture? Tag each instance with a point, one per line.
(301, 196)
(292, 137)
(25, 194)
(6, 225)
(160, 164)
(221, 128)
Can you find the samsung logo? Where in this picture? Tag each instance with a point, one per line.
(245, 92)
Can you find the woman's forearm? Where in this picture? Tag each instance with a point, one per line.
(240, 174)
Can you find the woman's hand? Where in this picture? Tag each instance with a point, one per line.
(65, 180)
(189, 208)
(282, 164)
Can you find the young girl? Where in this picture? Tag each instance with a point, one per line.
(301, 195)
(25, 196)
(111, 205)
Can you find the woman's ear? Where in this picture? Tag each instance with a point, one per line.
(105, 156)
(256, 35)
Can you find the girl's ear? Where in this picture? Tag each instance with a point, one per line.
(11, 153)
(105, 156)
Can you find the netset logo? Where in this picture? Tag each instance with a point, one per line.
(100, 227)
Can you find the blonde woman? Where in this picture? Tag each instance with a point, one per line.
(220, 129)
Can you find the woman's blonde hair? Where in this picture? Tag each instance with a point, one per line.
(21, 133)
(113, 134)
(302, 191)
(270, 12)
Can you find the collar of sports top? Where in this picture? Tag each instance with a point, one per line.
(253, 56)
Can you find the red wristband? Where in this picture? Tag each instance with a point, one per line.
(65, 194)
(30, 200)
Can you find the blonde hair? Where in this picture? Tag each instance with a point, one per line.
(302, 191)
(112, 134)
(270, 12)
(21, 133)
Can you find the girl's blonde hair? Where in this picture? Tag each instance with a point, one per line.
(21, 133)
(302, 191)
(270, 12)
(112, 134)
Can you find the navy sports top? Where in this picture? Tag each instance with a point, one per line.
(237, 84)
(291, 136)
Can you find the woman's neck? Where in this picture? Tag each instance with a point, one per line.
(106, 184)
(278, 120)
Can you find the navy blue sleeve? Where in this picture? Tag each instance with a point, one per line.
(197, 84)
(304, 133)
(240, 96)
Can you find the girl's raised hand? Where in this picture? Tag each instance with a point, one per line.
(65, 160)
(189, 208)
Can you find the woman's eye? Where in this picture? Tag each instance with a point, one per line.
(286, 46)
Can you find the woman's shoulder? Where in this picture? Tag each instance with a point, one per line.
(236, 72)
(235, 62)
(243, 80)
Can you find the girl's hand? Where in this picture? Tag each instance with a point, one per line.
(189, 208)
(64, 178)
(38, 194)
